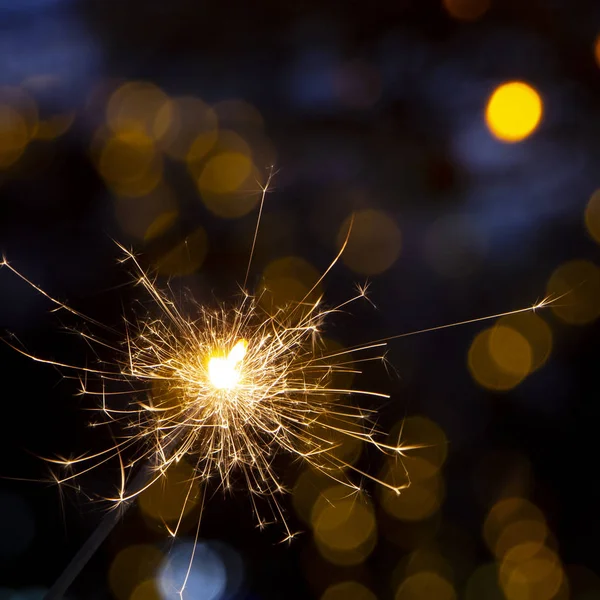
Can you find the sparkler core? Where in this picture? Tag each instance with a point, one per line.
(224, 373)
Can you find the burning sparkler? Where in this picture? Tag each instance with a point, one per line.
(229, 389)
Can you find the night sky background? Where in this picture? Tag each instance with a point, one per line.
(370, 106)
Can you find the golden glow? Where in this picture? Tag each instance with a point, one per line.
(513, 112)
(425, 586)
(578, 281)
(348, 590)
(592, 216)
(499, 358)
(597, 50)
(225, 372)
(131, 567)
(375, 242)
(466, 10)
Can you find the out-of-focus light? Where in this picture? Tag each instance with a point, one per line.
(54, 126)
(426, 558)
(170, 497)
(207, 578)
(529, 534)
(531, 572)
(17, 527)
(185, 257)
(344, 527)
(225, 173)
(130, 164)
(147, 590)
(348, 590)
(18, 123)
(132, 566)
(287, 280)
(537, 333)
(499, 358)
(483, 584)
(597, 50)
(466, 10)
(139, 106)
(579, 282)
(504, 513)
(513, 111)
(374, 243)
(147, 217)
(188, 118)
(425, 586)
(592, 216)
(418, 501)
(308, 487)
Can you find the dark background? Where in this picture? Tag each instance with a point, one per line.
(404, 134)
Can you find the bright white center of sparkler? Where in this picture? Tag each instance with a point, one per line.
(224, 372)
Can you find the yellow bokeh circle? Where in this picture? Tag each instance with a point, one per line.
(576, 286)
(348, 590)
(425, 586)
(499, 358)
(592, 216)
(513, 112)
(373, 242)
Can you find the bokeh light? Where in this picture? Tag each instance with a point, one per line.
(374, 243)
(287, 280)
(147, 217)
(344, 526)
(146, 590)
(140, 107)
(592, 216)
(418, 501)
(483, 584)
(207, 577)
(186, 256)
(577, 284)
(499, 358)
(425, 586)
(502, 517)
(466, 10)
(535, 330)
(131, 567)
(348, 590)
(513, 111)
(130, 163)
(170, 497)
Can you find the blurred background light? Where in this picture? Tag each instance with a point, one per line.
(131, 567)
(466, 10)
(348, 590)
(425, 586)
(577, 283)
(344, 526)
(207, 578)
(374, 244)
(173, 496)
(513, 111)
(592, 216)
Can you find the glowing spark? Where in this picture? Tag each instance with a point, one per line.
(225, 373)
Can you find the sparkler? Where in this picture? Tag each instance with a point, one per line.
(229, 389)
